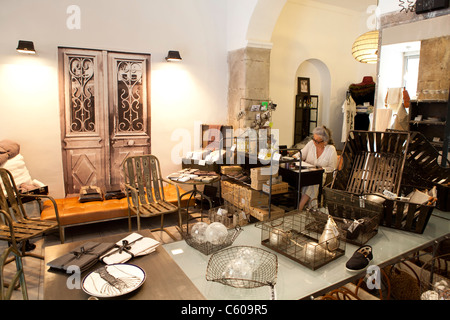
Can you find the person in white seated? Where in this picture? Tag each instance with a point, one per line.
(319, 152)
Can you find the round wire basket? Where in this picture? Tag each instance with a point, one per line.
(243, 267)
(207, 247)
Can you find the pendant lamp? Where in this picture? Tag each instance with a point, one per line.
(365, 47)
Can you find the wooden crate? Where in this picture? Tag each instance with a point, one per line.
(422, 169)
(230, 169)
(276, 188)
(262, 212)
(257, 185)
(253, 197)
(261, 173)
(392, 161)
(242, 196)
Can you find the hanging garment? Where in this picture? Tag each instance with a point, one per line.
(384, 116)
(401, 119)
(349, 111)
(362, 121)
(364, 91)
(394, 98)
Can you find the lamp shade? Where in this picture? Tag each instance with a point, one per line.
(26, 47)
(173, 56)
(365, 47)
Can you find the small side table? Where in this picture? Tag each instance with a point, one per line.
(194, 183)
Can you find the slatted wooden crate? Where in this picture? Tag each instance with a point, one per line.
(423, 169)
(377, 161)
(372, 162)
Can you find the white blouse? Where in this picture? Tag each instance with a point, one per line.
(327, 160)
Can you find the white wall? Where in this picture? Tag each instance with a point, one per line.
(183, 94)
(304, 31)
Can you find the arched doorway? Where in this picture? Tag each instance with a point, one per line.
(319, 78)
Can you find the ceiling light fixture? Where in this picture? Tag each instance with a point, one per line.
(365, 47)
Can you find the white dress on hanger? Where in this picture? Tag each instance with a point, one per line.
(327, 160)
(349, 111)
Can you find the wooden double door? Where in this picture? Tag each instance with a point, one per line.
(105, 114)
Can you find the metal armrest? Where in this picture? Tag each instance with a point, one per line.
(177, 188)
(40, 196)
(9, 222)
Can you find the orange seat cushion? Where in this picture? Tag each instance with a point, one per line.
(71, 211)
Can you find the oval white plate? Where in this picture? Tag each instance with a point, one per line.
(113, 280)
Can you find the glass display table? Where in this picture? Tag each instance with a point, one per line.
(295, 281)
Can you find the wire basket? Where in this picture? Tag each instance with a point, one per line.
(435, 278)
(243, 267)
(298, 236)
(347, 208)
(229, 215)
(207, 247)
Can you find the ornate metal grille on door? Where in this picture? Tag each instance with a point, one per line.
(82, 89)
(105, 110)
(130, 107)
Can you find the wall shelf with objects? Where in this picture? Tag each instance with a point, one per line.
(431, 118)
(306, 116)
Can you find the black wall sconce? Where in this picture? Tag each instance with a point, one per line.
(26, 47)
(173, 56)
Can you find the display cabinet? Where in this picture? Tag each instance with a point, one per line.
(306, 116)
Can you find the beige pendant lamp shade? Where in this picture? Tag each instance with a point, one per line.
(365, 47)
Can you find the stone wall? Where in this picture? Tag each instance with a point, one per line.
(434, 69)
(249, 70)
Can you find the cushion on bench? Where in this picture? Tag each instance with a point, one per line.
(71, 211)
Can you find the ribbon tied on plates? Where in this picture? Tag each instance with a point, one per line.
(131, 246)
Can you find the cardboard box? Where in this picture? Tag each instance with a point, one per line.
(276, 188)
(262, 212)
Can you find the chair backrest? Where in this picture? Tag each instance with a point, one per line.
(9, 195)
(144, 174)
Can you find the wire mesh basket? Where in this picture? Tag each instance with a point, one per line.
(300, 237)
(243, 267)
(229, 215)
(435, 279)
(347, 208)
(207, 247)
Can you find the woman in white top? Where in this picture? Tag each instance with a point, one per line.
(318, 152)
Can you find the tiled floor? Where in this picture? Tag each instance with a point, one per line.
(34, 268)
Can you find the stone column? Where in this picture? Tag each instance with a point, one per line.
(248, 82)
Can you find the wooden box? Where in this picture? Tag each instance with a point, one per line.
(261, 173)
(262, 212)
(242, 196)
(257, 185)
(276, 188)
(230, 169)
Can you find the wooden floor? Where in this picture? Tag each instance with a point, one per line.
(34, 268)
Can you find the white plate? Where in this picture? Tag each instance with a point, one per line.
(113, 280)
